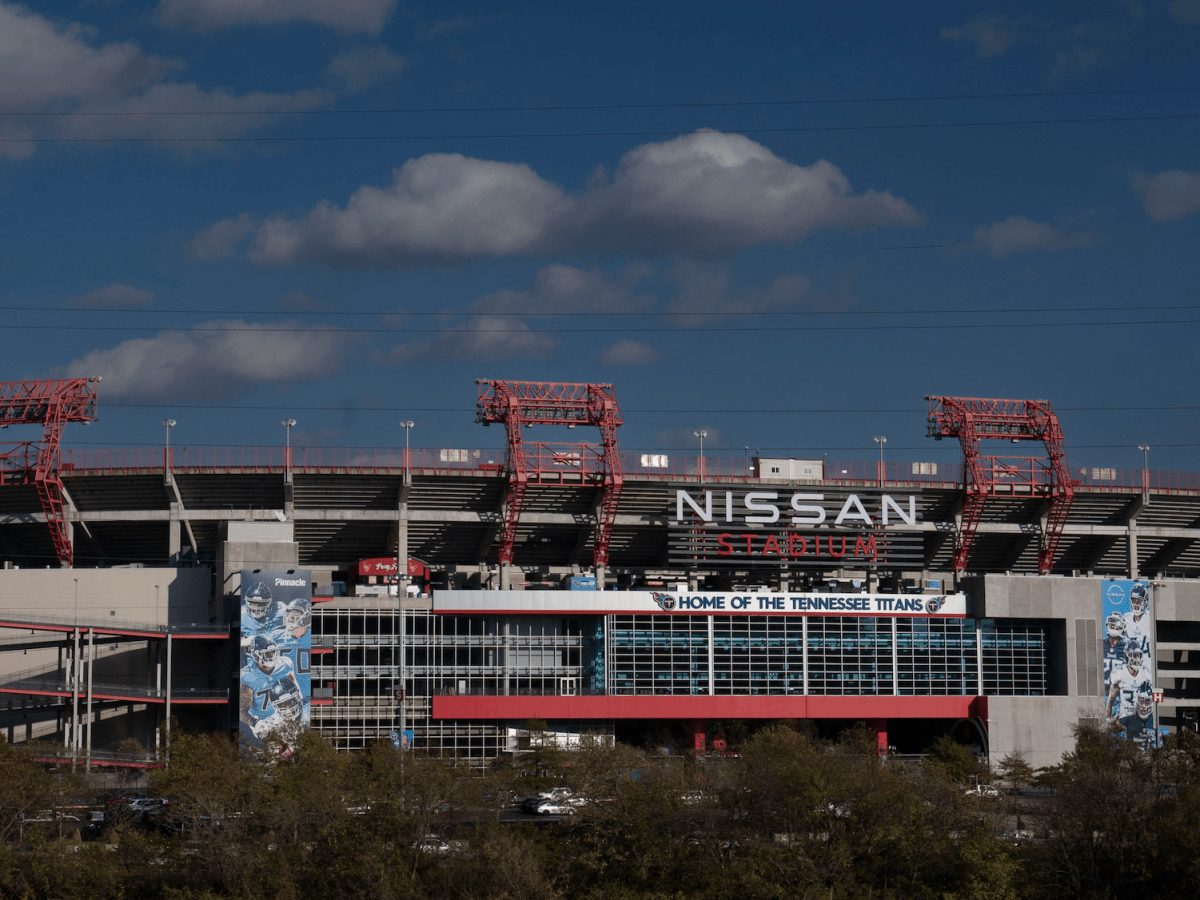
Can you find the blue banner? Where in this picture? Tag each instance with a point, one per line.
(1128, 658)
(276, 655)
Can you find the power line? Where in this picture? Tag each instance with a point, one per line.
(590, 134)
(725, 329)
(536, 313)
(598, 107)
(907, 410)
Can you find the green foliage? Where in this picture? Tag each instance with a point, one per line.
(790, 817)
(951, 760)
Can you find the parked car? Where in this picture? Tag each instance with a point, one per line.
(431, 843)
(982, 790)
(554, 808)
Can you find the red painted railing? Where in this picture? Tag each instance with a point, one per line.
(669, 466)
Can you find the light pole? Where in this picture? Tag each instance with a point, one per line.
(880, 440)
(1154, 586)
(1145, 448)
(407, 425)
(401, 591)
(746, 454)
(288, 425)
(168, 424)
(702, 434)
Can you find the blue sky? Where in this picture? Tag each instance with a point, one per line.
(782, 223)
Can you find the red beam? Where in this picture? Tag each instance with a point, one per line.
(706, 707)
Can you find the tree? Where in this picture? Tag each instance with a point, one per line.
(216, 791)
(27, 790)
(953, 761)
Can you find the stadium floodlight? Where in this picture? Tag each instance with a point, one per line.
(880, 440)
(702, 434)
(168, 424)
(288, 425)
(1145, 448)
(407, 425)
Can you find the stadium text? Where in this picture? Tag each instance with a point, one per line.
(765, 507)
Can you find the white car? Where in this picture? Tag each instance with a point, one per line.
(431, 843)
(982, 790)
(554, 808)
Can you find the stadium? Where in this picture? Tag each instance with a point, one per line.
(469, 602)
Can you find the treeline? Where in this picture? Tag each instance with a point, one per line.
(792, 817)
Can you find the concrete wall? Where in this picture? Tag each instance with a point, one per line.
(1039, 728)
(1021, 723)
(122, 597)
(236, 556)
(136, 596)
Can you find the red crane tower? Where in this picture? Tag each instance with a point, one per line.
(51, 404)
(518, 404)
(973, 420)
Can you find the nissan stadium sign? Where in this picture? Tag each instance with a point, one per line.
(745, 526)
(731, 603)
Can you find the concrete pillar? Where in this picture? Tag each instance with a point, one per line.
(505, 576)
(1133, 553)
(600, 578)
(173, 535)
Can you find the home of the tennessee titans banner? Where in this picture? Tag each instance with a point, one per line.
(1128, 623)
(276, 677)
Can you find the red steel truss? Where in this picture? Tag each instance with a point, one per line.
(517, 404)
(51, 404)
(974, 420)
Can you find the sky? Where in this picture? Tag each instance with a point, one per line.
(783, 224)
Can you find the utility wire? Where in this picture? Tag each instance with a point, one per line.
(535, 313)
(907, 410)
(305, 139)
(725, 329)
(598, 107)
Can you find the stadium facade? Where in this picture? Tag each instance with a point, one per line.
(603, 591)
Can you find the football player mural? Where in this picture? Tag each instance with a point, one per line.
(276, 679)
(1129, 660)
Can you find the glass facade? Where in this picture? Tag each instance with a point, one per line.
(356, 663)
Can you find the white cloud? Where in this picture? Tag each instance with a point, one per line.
(706, 289)
(222, 240)
(1018, 234)
(215, 361)
(360, 69)
(1168, 196)
(630, 353)
(994, 34)
(559, 288)
(482, 338)
(46, 63)
(1066, 48)
(115, 296)
(701, 194)
(366, 16)
(439, 208)
(219, 114)
(47, 66)
(711, 192)
(1185, 11)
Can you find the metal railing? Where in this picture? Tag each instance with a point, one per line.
(669, 465)
(107, 687)
(32, 620)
